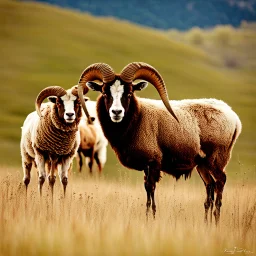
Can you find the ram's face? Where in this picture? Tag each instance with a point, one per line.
(68, 106)
(117, 100)
(117, 96)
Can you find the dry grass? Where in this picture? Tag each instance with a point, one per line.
(100, 217)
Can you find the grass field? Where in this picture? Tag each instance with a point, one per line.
(41, 45)
(99, 217)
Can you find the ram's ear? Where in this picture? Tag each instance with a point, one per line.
(52, 99)
(86, 98)
(92, 119)
(94, 86)
(140, 86)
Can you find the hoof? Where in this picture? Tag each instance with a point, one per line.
(64, 181)
(26, 181)
(51, 180)
(154, 208)
(217, 217)
(41, 180)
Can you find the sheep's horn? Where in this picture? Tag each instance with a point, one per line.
(48, 91)
(97, 71)
(74, 90)
(141, 70)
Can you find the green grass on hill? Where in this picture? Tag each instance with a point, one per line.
(41, 45)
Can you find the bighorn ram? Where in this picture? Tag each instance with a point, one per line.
(152, 135)
(50, 135)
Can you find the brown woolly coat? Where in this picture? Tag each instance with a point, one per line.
(49, 133)
(149, 136)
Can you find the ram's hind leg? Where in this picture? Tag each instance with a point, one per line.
(79, 158)
(90, 154)
(96, 157)
(220, 178)
(151, 177)
(101, 156)
(209, 185)
(217, 163)
(26, 165)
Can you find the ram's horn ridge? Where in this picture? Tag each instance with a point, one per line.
(141, 70)
(97, 71)
(48, 91)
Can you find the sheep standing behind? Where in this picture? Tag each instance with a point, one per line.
(93, 142)
(169, 136)
(50, 136)
(87, 143)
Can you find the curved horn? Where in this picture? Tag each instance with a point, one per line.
(48, 91)
(141, 70)
(74, 90)
(97, 71)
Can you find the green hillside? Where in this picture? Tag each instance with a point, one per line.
(41, 46)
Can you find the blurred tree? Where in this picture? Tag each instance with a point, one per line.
(165, 14)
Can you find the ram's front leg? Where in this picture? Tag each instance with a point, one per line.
(151, 177)
(63, 172)
(51, 175)
(40, 163)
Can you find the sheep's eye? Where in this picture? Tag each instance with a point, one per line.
(104, 95)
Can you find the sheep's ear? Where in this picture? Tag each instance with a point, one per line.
(94, 86)
(140, 86)
(92, 119)
(52, 99)
(86, 98)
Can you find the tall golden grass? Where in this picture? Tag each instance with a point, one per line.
(100, 217)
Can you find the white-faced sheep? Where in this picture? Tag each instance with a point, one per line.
(50, 136)
(199, 133)
(93, 142)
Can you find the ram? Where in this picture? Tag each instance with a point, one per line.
(50, 136)
(169, 136)
(93, 142)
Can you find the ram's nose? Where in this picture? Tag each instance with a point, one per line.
(70, 117)
(116, 112)
(70, 114)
